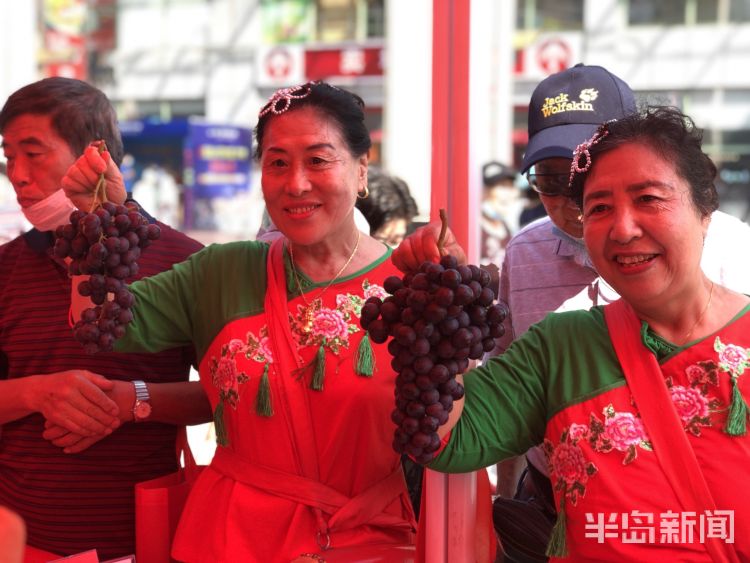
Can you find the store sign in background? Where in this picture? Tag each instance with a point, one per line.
(540, 54)
(217, 160)
(63, 41)
(283, 65)
(348, 61)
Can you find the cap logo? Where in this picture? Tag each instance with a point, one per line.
(562, 103)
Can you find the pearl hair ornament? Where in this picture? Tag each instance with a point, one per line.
(582, 151)
(281, 100)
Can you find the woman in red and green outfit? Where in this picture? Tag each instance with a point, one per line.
(641, 406)
(301, 398)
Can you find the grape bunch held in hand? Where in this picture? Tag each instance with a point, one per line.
(104, 244)
(439, 318)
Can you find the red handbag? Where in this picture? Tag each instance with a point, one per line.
(158, 506)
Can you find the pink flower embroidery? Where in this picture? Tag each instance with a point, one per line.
(695, 373)
(234, 346)
(264, 348)
(569, 464)
(330, 324)
(733, 357)
(689, 403)
(621, 431)
(624, 430)
(578, 432)
(703, 374)
(373, 290)
(226, 374)
(349, 305)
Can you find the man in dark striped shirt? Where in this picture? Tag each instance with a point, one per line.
(77, 497)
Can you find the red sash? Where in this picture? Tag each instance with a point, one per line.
(295, 402)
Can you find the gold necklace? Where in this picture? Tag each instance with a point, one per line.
(703, 314)
(309, 312)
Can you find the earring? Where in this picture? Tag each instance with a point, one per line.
(364, 194)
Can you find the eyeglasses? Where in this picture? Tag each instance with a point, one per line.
(550, 185)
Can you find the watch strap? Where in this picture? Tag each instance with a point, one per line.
(141, 391)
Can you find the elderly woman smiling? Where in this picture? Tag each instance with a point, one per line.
(304, 470)
(641, 404)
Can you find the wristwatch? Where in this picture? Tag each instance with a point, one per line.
(142, 406)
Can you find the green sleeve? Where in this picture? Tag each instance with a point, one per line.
(191, 302)
(558, 362)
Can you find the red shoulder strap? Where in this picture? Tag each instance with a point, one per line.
(671, 445)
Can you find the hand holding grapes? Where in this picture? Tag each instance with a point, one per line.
(81, 180)
(422, 246)
(104, 243)
(439, 316)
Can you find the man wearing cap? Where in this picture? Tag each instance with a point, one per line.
(547, 269)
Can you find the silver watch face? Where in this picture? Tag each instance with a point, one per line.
(142, 410)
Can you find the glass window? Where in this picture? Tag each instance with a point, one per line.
(337, 20)
(550, 15)
(664, 12)
(375, 18)
(739, 11)
(706, 11)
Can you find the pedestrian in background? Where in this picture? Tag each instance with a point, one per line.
(389, 209)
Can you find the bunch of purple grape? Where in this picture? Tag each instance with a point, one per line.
(440, 318)
(106, 245)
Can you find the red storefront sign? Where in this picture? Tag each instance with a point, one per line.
(349, 61)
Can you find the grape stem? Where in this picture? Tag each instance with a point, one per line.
(100, 192)
(443, 230)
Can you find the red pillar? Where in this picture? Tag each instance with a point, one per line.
(449, 509)
(450, 116)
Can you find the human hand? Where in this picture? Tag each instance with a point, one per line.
(81, 179)
(422, 245)
(70, 442)
(122, 393)
(75, 400)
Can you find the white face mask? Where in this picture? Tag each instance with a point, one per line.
(52, 211)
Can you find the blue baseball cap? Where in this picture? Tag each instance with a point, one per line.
(566, 109)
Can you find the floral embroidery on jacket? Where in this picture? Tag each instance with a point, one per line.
(732, 359)
(693, 404)
(625, 432)
(258, 348)
(568, 462)
(621, 431)
(702, 374)
(331, 327)
(225, 374)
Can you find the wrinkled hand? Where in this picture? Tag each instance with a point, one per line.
(82, 177)
(422, 246)
(122, 393)
(70, 442)
(77, 401)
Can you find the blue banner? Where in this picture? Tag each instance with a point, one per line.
(217, 160)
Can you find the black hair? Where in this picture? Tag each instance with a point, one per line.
(389, 199)
(671, 134)
(343, 107)
(80, 113)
